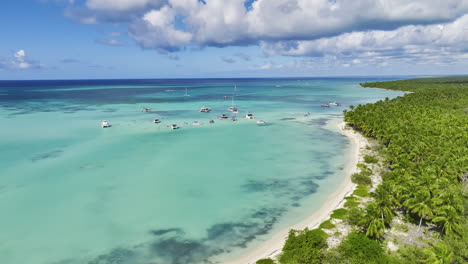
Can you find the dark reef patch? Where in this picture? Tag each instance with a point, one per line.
(287, 118)
(47, 155)
(116, 256)
(160, 232)
(182, 251)
(261, 186)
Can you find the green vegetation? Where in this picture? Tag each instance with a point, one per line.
(339, 213)
(265, 261)
(327, 225)
(304, 247)
(357, 248)
(424, 148)
(426, 139)
(361, 191)
(370, 159)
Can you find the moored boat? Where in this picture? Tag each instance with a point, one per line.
(249, 116)
(223, 116)
(174, 126)
(205, 109)
(156, 120)
(105, 124)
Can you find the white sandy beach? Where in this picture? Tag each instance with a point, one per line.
(272, 247)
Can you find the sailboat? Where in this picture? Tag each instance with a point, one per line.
(232, 108)
(186, 94)
(235, 88)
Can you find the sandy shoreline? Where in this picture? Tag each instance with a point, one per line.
(272, 247)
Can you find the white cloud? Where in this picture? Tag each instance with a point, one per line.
(443, 43)
(19, 60)
(156, 30)
(169, 24)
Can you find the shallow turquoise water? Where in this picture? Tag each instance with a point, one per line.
(138, 192)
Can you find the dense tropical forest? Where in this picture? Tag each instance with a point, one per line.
(418, 211)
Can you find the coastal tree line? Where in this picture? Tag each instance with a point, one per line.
(424, 135)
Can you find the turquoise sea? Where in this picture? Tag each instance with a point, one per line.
(138, 192)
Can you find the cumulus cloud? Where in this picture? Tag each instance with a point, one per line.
(443, 43)
(169, 24)
(19, 60)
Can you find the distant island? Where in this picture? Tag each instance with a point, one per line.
(411, 200)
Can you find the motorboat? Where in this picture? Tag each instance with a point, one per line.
(261, 122)
(105, 124)
(174, 126)
(156, 121)
(234, 118)
(196, 123)
(205, 109)
(233, 109)
(325, 105)
(249, 116)
(211, 121)
(223, 116)
(145, 109)
(334, 104)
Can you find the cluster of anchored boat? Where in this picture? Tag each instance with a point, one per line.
(330, 104)
(204, 109)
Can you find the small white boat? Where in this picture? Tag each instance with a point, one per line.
(196, 123)
(333, 103)
(205, 109)
(261, 122)
(249, 116)
(325, 105)
(235, 88)
(156, 120)
(105, 124)
(233, 109)
(234, 118)
(174, 126)
(145, 109)
(186, 94)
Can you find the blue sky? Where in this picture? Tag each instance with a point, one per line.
(76, 39)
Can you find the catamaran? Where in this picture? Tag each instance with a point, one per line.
(232, 108)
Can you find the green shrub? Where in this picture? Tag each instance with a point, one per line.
(304, 247)
(351, 204)
(357, 248)
(361, 191)
(265, 261)
(361, 178)
(370, 159)
(339, 213)
(327, 225)
(355, 216)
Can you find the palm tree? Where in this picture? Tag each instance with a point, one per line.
(420, 204)
(375, 225)
(439, 254)
(450, 220)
